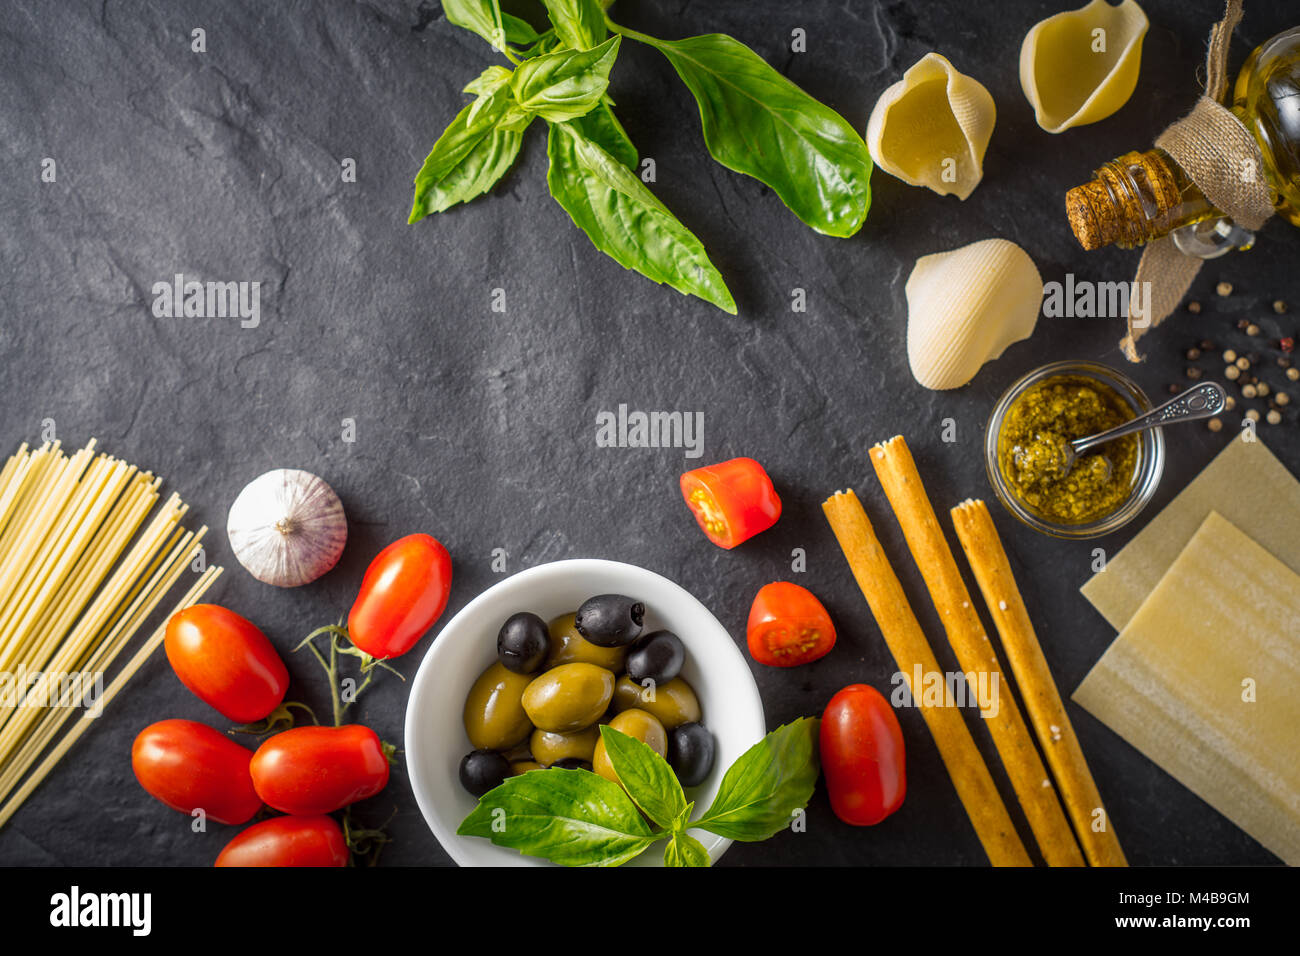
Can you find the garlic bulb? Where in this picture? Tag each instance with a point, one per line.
(287, 527)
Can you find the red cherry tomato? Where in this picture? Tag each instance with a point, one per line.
(788, 626)
(732, 501)
(190, 766)
(862, 756)
(314, 770)
(404, 591)
(288, 841)
(226, 661)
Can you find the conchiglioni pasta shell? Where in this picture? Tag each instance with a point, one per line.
(1067, 80)
(966, 306)
(931, 128)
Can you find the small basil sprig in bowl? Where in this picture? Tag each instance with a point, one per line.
(579, 818)
(754, 120)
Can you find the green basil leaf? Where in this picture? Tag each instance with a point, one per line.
(570, 817)
(565, 85)
(483, 86)
(470, 156)
(579, 23)
(624, 220)
(684, 850)
(645, 775)
(488, 82)
(602, 127)
(760, 792)
(759, 123)
(481, 17)
(546, 42)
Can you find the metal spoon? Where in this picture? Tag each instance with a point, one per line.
(1200, 401)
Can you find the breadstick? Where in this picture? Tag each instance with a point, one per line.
(897, 473)
(975, 787)
(979, 539)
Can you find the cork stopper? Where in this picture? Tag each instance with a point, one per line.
(1132, 199)
(1093, 215)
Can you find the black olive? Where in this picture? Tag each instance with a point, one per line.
(690, 753)
(483, 770)
(610, 620)
(522, 643)
(657, 656)
(573, 763)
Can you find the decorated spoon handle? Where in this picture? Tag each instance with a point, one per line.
(1199, 401)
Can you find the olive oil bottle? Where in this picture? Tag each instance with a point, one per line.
(1141, 196)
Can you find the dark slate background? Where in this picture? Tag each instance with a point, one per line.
(479, 427)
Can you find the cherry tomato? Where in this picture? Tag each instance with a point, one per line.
(190, 766)
(863, 756)
(732, 501)
(404, 591)
(288, 841)
(226, 661)
(788, 626)
(314, 770)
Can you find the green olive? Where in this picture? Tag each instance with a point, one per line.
(549, 748)
(674, 703)
(518, 752)
(568, 698)
(639, 724)
(523, 766)
(570, 647)
(495, 718)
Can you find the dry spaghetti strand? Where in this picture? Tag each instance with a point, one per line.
(87, 560)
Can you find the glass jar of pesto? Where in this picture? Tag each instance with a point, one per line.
(1025, 440)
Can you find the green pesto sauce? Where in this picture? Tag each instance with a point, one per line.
(1035, 434)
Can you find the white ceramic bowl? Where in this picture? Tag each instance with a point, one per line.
(435, 732)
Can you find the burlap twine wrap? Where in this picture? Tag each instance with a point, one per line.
(1223, 160)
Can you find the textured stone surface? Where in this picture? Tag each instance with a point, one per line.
(479, 426)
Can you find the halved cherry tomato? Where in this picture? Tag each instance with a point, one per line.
(732, 501)
(788, 626)
(314, 770)
(226, 661)
(288, 841)
(403, 593)
(189, 766)
(862, 756)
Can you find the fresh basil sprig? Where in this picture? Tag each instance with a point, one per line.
(578, 23)
(624, 220)
(647, 778)
(761, 790)
(578, 818)
(474, 152)
(755, 122)
(572, 817)
(485, 18)
(564, 85)
(759, 123)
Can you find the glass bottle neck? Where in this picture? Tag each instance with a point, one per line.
(1135, 198)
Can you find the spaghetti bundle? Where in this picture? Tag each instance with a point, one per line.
(83, 568)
